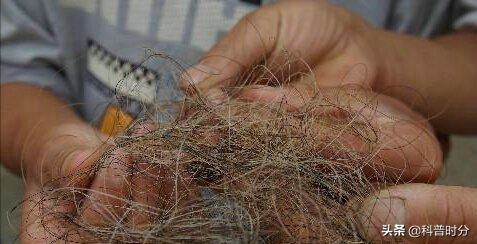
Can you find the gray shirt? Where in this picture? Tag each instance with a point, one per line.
(93, 53)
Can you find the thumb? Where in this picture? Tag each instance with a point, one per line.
(69, 153)
(429, 213)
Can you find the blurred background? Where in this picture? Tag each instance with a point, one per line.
(460, 169)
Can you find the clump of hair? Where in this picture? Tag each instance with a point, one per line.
(233, 173)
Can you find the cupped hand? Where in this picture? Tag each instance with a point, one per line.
(336, 46)
(304, 49)
(74, 187)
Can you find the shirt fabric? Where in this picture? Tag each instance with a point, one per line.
(93, 53)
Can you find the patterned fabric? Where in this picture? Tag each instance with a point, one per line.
(94, 53)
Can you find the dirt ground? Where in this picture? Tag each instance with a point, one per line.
(460, 169)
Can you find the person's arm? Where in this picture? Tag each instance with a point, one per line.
(35, 121)
(443, 71)
(43, 137)
(37, 127)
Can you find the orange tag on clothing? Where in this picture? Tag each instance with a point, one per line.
(115, 120)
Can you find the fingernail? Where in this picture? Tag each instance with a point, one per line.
(216, 96)
(196, 74)
(260, 93)
(378, 212)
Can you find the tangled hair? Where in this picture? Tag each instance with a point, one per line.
(233, 173)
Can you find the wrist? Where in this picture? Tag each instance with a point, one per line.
(435, 77)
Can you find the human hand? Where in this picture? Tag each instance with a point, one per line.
(122, 192)
(434, 76)
(65, 158)
(68, 188)
(407, 147)
(333, 48)
(337, 47)
(421, 205)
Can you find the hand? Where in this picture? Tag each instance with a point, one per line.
(337, 46)
(421, 204)
(110, 197)
(407, 147)
(68, 187)
(433, 76)
(67, 157)
(340, 51)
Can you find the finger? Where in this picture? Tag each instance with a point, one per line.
(109, 194)
(159, 187)
(71, 154)
(46, 217)
(143, 190)
(403, 142)
(250, 41)
(418, 205)
(407, 148)
(157, 183)
(291, 96)
(52, 197)
(349, 67)
(142, 127)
